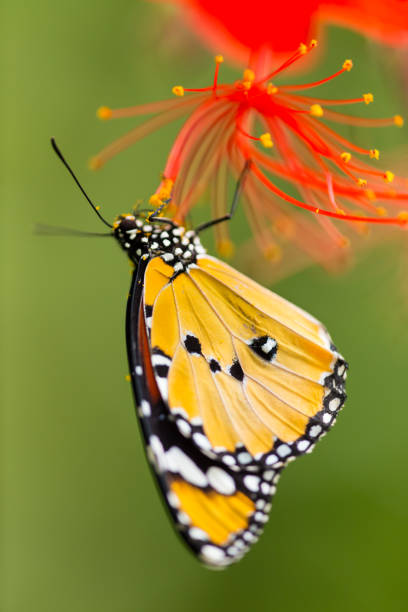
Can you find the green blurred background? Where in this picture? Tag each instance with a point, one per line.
(83, 529)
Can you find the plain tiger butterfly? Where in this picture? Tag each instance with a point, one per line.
(231, 382)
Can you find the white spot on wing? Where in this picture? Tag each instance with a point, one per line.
(244, 458)
(303, 445)
(268, 345)
(163, 387)
(158, 359)
(196, 421)
(334, 404)
(283, 450)
(157, 451)
(220, 480)
(183, 518)
(228, 460)
(271, 459)
(252, 483)
(173, 500)
(314, 431)
(197, 534)
(213, 554)
(201, 441)
(177, 461)
(145, 409)
(184, 428)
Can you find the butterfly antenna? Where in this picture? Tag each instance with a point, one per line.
(68, 167)
(42, 229)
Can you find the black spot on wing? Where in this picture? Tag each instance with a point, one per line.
(214, 366)
(236, 371)
(161, 362)
(148, 310)
(264, 346)
(162, 370)
(192, 344)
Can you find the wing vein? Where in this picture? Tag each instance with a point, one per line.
(216, 279)
(279, 365)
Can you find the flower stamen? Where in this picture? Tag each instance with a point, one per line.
(218, 60)
(316, 110)
(178, 90)
(323, 166)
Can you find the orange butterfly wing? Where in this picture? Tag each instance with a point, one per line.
(252, 379)
(219, 512)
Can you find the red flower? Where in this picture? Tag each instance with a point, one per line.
(295, 149)
(237, 30)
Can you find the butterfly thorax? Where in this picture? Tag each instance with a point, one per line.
(141, 237)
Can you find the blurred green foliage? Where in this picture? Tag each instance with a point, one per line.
(83, 529)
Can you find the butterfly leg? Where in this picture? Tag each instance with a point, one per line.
(234, 204)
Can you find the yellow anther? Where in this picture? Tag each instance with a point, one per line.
(368, 97)
(155, 200)
(403, 215)
(219, 59)
(272, 252)
(347, 65)
(317, 210)
(128, 378)
(388, 176)
(370, 194)
(302, 49)
(381, 211)
(374, 154)
(361, 182)
(247, 84)
(178, 90)
(164, 194)
(225, 247)
(95, 163)
(249, 75)
(104, 112)
(313, 43)
(316, 110)
(398, 120)
(266, 140)
(98, 207)
(271, 89)
(346, 156)
(340, 211)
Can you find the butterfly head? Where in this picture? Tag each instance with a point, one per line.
(141, 236)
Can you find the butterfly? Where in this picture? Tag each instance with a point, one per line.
(231, 382)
